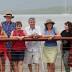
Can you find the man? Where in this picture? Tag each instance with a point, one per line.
(66, 45)
(33, 47)
(8, 26)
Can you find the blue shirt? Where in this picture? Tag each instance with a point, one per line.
(8, 28)
(50, 43)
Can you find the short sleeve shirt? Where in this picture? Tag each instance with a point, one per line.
(33, 45)
(65, 43)
(51, 42)
(8, 28)
(19, 45)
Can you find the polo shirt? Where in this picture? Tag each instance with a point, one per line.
(8, 28)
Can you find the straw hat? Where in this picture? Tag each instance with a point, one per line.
(49, 21)
(8, 13)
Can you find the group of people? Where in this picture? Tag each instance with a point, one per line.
(17, 51)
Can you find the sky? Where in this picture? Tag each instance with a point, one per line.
(32, 4)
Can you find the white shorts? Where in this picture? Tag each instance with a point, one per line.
(32, 57)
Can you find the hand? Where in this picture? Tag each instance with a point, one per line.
(15, 37)
(3, 37)
(50, 38)
(20, 37)
(36, 36)
(57, 36)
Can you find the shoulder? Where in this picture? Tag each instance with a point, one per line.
(27, 28)
(37, 27)
(14, 31)
(55, 30)
(63, 31)
(13, 23)
(4, 22)
(22, 30)
(44, 31)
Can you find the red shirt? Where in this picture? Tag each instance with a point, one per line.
(2, 44)
(19, 45)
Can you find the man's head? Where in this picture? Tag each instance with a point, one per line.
(31, 22)
(8, 17)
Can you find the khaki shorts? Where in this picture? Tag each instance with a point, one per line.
(49, 54)
(32, 57)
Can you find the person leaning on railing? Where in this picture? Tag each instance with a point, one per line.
(65, 46)
(8, 26)
(70, 51)
(18, 47)
(2, 50)
(50, 48)
(33, 47)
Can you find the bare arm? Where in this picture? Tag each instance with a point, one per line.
(3, 34)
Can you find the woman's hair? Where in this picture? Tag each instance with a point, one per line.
(70, 27)
(19, 23)
(46, 28)
(67, 23)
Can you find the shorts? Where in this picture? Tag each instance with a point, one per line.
(49, 54)
(17, 56)
(32, 57)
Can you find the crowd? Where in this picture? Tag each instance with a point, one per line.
(18, 51)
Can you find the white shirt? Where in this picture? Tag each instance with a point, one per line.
(33, 45)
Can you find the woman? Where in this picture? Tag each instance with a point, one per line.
(2, 50)
(70, 51)
(19, 47)
(50, 46)
(66, 45)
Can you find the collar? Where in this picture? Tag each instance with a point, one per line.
(8, 22)
(31, 28)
